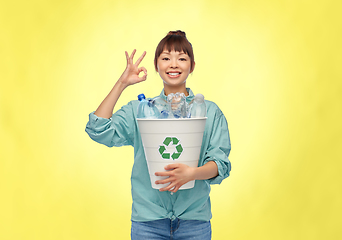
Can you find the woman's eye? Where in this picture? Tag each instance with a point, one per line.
(182, 59)
(165, 58)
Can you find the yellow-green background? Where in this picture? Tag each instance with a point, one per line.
(273, 67)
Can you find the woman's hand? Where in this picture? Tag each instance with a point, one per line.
(131, 74)
(178, 175)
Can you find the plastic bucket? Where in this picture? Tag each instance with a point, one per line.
(169, 141)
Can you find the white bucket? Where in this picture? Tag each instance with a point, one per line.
(169, 141)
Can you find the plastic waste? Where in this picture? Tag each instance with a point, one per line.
(146, 108)
(198, 107)
(175, 106)
(163, 106)
(165, 114)
(160, 103)
(178, 104)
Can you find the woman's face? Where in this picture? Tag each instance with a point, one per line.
(174, 68)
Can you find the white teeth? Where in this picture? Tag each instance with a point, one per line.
(173, 74)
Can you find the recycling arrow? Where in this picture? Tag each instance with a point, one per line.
(168, 141)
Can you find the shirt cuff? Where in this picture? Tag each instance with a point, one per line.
(93, 119)
(223, 171)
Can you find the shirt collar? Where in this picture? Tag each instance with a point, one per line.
(188, 98)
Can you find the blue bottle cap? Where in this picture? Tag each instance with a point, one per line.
(141, 97)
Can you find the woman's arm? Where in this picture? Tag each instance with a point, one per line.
(207, 171)
(129, 77)
(105, 110)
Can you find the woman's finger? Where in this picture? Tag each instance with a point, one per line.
(175, 189)
(164, 174)
(142, 69)
(140, 59)
(166, 180)
(127, 57)
(132, 55)
(171, 166)
(143, 78)
(170, 186)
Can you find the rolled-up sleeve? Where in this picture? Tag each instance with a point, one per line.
(115, 131)
(219, 148)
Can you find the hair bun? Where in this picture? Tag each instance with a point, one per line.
(178, 32)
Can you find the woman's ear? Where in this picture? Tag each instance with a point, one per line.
(193, 67)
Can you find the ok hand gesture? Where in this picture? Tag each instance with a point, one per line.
(131, 74)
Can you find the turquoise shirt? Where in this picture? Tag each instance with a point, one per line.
(151, 204)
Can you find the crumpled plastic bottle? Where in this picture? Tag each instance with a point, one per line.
(164, 108)
(178, 104)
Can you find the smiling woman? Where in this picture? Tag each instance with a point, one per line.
(156, 212)
(174, 68)
(176, 41)
(174, 61)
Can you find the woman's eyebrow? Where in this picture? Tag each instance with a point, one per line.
(165, 52)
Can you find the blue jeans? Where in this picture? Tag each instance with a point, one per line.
(177, 229)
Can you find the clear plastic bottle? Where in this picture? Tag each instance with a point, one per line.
(160, 103)
(165, 115)
(178, 104)
(164, 108)
(198, 107)
(146, 108)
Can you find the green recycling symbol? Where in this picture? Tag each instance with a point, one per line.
(166, 143)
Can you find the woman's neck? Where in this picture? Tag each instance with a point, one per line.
(180, 89)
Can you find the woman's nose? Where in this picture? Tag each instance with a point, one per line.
(174, 64)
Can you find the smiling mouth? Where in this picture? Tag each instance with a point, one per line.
(174, 74)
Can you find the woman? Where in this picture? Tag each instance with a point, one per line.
(183, 214)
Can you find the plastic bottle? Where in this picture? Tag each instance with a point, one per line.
(146, 108)
(160, 103)
(198, 107)
(165, 114)
(178, 104)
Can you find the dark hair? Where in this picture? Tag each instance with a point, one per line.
(177, 41)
